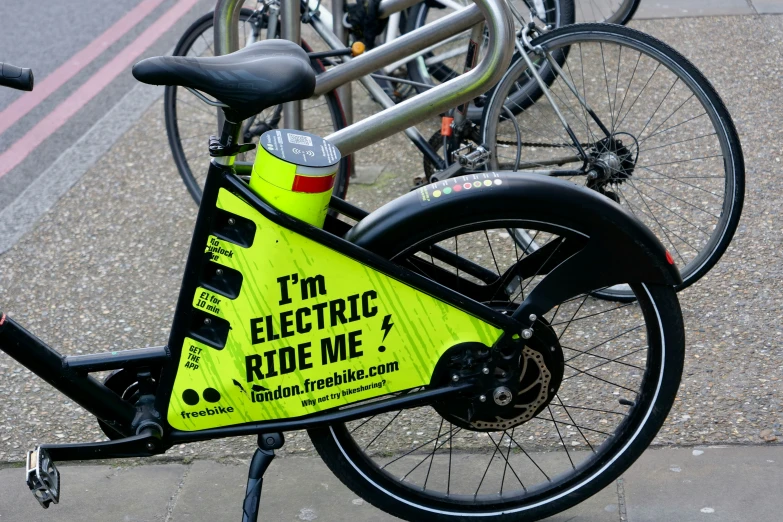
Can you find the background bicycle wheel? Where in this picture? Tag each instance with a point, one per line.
(190, 122)
(447, 60)
(609, 11)
(679, 169)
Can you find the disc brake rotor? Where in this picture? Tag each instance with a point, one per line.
(535, 381)
(513, 387)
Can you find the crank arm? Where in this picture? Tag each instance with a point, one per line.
(43, 477)
(145, 444)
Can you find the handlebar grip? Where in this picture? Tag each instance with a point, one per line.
(16, 77)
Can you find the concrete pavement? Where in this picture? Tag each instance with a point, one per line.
(682, 484)
(688, 8)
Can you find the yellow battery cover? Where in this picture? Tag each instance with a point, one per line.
(295, 172)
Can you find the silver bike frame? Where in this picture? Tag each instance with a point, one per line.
(399, 117)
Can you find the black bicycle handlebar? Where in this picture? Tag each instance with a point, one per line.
(16, 77)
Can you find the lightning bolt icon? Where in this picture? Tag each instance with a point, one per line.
(386, 326)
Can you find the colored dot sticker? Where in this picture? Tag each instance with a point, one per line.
(436, 194)
(467, 186)
(487, 182)
(498, 182)
(447, 190)
(477, 184)
(457, 188)
(190, 397)
(211, 395)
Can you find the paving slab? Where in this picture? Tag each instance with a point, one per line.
(295, 488)
(768, 6)
(96, 494)
(686, 8)
(710, 483)
(366, 174)
(303, 488)
(684, 484)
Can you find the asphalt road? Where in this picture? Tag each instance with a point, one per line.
(50, 35)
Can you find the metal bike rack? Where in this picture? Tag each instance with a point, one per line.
(499, 23)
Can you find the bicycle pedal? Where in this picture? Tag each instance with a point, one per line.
(43, 478)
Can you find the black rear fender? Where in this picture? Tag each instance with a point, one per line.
(612, 246)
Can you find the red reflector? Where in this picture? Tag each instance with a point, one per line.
(445, 125)
(312, 184)
(669, 258)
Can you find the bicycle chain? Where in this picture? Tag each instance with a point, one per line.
(542, 145)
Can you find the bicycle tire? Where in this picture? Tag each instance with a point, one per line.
(727, 141)
(620, 15)
(194, 185)
(340, 450)
(561, 12)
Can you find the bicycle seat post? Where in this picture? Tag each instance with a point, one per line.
(267, 444)
(224, 149)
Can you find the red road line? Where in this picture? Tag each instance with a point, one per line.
(17, 152)
(76, 63)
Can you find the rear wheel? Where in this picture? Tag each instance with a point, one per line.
(190, 122)
(611, 372)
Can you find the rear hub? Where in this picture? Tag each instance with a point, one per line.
(512, 385)
(612, 161)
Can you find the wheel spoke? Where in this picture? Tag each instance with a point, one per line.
(578, 428)
(626, 332)
(609, 361)
(602, 380)
(581, 352)
(382, 430)
(554, 422)
(507, 463)
(593, 315)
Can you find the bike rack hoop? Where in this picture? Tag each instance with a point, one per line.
(448, 95)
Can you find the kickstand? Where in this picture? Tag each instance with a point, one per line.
(267, 444)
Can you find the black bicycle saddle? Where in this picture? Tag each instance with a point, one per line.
(261, 75)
